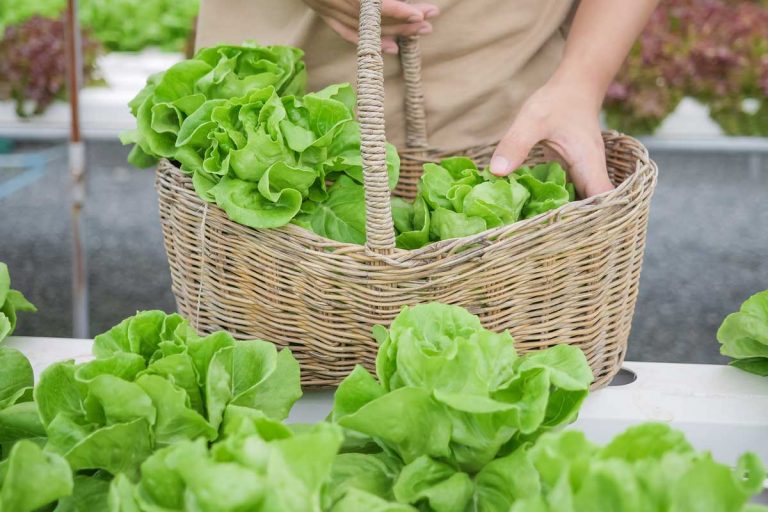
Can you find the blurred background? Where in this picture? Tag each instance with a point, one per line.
(694, 89)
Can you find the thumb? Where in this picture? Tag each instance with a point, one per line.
(513, 149)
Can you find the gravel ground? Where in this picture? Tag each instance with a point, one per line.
(706, 252)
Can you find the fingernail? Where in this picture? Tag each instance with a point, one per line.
(391, 50)
(431, 13)
(499, 165)
(425, 30)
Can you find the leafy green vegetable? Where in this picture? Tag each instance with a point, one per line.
(451, 397)
(11, 301)
(156, 383)
(166, 420)
(546, 184)
(215, 74)
(19, 418)
(744, 335)
(456, 199)
(648, 467)
(31, 478)
(259, 464)
(238, 121)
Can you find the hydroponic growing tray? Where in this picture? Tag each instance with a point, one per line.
(720, 408)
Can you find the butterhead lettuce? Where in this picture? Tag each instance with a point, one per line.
(238, 120)
(11, 302)
(744, 335)
(450, 397)
(258, 464)
(455, 199)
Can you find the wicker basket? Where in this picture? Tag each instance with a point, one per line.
(567, 276)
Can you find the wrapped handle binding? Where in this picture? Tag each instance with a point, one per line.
(380, 232)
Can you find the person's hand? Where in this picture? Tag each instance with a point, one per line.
(397, 19)
(564, 117)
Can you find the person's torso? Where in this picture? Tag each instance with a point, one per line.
(482, 60)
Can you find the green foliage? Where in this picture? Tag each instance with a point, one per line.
(648, 468)
(451, 397)
(258, 465)
(455, 421)
(121, 25)
(711, 50)
(455, 200)
(154, 383)
(744, 335)
(237, 120)
(11, 302)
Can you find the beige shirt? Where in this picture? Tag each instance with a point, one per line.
(483, 59)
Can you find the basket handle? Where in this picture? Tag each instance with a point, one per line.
(415, 114)
(370, 110)
(380, 231)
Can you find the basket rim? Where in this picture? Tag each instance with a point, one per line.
(646, 169)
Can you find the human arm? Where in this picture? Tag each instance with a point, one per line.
(564, 112)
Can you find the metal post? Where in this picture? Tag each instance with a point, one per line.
(77, 174)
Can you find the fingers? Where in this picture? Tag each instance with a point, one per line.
(349, 34)
(410, 29)
(585, 161)
(399, 12)
(513, 149)
(429, 10)
(389, 45)
(346, 32)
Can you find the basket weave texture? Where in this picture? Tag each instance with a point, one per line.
(567, 276)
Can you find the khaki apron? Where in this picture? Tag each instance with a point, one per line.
(483, 59)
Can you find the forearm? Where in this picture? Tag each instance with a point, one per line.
(600, 38)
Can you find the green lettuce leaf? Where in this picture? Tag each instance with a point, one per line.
(546, 184)
(341, 216)
(156, 383)
(744, 335)
(237, 119)
(259, 465)
(648, 467)
(11, 301)
(19, 418)
(90, 493)
(412, 232)
(455, 199)
(31, 478)
(453, 391)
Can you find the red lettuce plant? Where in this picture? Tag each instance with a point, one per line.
(713, 50)
(651, 82)
(33, 63)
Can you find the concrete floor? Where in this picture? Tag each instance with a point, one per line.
(707, 248)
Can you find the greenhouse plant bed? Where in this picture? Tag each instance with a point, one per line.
(720, 408)
(103, 108)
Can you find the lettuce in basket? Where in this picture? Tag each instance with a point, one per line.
(217, 73)
(238, 121)
(456, 199)
(744, 335)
